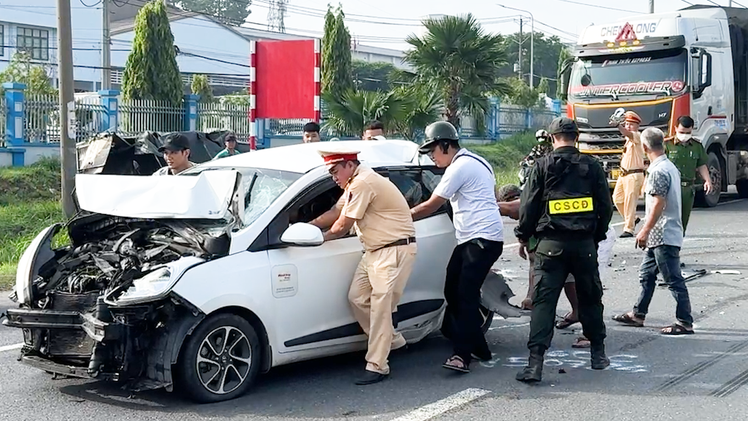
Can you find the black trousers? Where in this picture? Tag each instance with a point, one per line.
(554, 261)
(466, 271)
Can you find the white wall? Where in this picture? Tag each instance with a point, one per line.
(197, 35)
(35, 153)
(86, 24)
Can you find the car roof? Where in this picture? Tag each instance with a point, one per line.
(304, 157)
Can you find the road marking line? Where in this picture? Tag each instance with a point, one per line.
(441, 406)
(517, 244)
(10, 347)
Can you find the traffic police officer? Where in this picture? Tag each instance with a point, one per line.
(689, 156)
(470, 186)
(629, 183)
(381, 217)
(567, 205)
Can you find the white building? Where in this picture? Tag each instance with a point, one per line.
(205, 45)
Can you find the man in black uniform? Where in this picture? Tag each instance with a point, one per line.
(567, 206)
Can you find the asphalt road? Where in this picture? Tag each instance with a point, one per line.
(652, 377)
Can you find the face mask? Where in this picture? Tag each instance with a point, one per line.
(683, 137)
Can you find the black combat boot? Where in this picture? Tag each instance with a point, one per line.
(599, 360)
(534, 370)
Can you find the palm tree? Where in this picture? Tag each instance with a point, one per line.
(423, 107)
(349, 113)
(457, 58)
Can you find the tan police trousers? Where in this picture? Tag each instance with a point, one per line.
(376, 289)
(625, 195)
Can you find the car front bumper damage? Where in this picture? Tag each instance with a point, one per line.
(134, 345)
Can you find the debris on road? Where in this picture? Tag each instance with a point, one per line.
(726, 272)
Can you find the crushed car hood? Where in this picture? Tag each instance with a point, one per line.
(208, 195)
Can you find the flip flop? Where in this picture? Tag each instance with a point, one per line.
(449, 365)
(566, 322)
(581, 342)
(626, 319)
(676, 329)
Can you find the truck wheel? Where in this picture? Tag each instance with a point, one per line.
(742, 186)
(715, 172)
(220, 360)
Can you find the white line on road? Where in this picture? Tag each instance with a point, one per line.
(508, 246)
(447, 404)
(10, 347)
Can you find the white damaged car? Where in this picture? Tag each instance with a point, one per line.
(203, 281)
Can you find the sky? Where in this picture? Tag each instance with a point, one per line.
(386, 23)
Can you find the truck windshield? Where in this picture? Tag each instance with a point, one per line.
(650, 73)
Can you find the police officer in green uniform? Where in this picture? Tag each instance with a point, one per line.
(567, 206)
(689, 156)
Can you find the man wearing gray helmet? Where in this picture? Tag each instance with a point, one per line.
(469, 184)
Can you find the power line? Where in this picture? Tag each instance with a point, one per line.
(599, 7)
(82, 66)
(92, 5)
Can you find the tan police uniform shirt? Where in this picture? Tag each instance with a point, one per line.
(633, 153)
(381, 212)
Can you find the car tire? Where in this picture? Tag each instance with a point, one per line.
(703, 200)
(448, 323)
(208, 370)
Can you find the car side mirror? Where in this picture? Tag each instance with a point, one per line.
(303, 234)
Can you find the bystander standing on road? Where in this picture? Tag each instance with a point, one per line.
(689, 157)
(229, 142)
(566, 204)
(176, 150)
(662, 237)
(629, 183)
(311, 132)
(470, 186)
(381, 217)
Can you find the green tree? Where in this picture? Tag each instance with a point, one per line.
(200, 86)
(544, 87)
(547, 51)
(457, 58)
(423, 107)
(151, 70)
(34, 76)
(336, 67)
(522, 94)
(349, 113)
(233, 12)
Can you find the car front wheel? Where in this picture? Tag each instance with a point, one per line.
(220, 360)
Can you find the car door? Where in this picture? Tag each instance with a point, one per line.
(310, 284)
(424, 294)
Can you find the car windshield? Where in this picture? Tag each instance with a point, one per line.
(262, 187)
(658, 73)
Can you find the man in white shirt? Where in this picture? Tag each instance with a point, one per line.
(470, 186)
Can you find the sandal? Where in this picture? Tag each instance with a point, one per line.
(456, 363)
(676, 329)
(626, 319)
(581, 342)
(566, 322)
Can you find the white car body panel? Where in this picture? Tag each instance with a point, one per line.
(206, 196)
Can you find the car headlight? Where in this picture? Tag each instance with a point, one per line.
(156, 284)
(153, 284)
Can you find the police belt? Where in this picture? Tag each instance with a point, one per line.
(403, 242)
(625, 172)
(690, 183)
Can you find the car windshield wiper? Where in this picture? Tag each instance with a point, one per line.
(248, 200)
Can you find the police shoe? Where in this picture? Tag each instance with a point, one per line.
(598, 358)
(371, 377)
(533, 372)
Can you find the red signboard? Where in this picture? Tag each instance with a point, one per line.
(287, 79)
(627, 33)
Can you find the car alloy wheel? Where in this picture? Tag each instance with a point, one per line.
(224, 360)
(220, 360)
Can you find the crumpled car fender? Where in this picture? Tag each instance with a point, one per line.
(495, 296)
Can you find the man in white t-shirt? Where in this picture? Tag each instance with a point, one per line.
(470, 186)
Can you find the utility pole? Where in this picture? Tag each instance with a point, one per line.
(106, 42)
(651, 6)
(67, 128)
(520, 47)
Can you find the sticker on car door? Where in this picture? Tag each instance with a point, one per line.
(285, 279)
